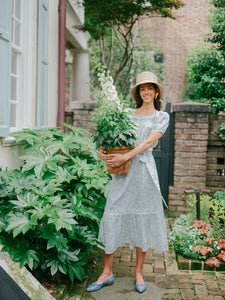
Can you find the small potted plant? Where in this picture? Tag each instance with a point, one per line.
(114, 132)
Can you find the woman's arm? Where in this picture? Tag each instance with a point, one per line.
(118, 159)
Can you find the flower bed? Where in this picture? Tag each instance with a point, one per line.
(200, 244)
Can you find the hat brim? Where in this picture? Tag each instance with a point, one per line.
(133, 91)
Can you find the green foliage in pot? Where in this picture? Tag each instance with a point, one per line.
(50, 210)
(114, 126)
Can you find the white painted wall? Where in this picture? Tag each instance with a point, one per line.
(9, 151)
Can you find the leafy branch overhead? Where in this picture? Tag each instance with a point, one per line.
(100, 15)
(113, 22)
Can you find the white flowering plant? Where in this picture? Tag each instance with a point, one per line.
(113, 124)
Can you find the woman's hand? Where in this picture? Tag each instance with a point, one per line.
(102, 154)
(115, 160)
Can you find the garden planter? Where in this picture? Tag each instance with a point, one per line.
(124, 168)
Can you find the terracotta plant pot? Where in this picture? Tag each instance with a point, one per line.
(124, 168)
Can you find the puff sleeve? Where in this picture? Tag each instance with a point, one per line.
(162, 122)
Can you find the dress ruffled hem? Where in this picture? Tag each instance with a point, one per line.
(139, 230)
(110, 251)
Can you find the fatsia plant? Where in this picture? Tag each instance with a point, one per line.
(50, 209)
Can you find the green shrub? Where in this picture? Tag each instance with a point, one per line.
(206, 64)
(186, 237)
(221, 132)
(50, 209)
(205, 206)
(219, 195)
(212, 210)
(205, 70)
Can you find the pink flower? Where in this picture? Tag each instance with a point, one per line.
(209, 240)
(203, 226)
(203, 250)
(221, 255)
(212, 262)
(221, 244)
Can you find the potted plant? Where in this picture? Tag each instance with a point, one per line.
(114, 132)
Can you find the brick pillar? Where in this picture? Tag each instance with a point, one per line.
(190, 159)
(82, 114)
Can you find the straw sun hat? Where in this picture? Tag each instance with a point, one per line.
(145, 77)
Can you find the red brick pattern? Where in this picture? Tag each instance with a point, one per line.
(191, 135)
(216, 150)
(160, 269)
(82, 118)
(196, 152)
(175, 38)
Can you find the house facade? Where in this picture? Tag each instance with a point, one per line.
(29, 73)
(175, 39)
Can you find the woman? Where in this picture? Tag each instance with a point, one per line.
(134, 210)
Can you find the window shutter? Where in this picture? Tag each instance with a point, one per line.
(5, 65)
(42, 65)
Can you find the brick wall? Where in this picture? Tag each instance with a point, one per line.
(197, 148)
(215, 154)
(80, 114)
(175, 38)
(198, 151)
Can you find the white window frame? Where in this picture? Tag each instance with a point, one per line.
(25, 84)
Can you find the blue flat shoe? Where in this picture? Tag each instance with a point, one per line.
(95, 287)
(140, 287)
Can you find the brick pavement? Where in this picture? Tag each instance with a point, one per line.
(161, 269)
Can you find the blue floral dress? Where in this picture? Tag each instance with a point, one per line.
(134, 209)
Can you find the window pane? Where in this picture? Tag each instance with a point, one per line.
(13, 87)
(14, 62)
(18, 9)
(17, 33)
(13, 115)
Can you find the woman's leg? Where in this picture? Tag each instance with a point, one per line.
(140, 256)
(107, 271)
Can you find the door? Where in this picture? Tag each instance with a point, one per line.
(164, 156)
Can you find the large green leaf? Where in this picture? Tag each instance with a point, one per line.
(81, 209)
(41, 162)
(77, 271)
(62, 218)
(18, 223)
(55, 239)
(25, 201)
(84, 235)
